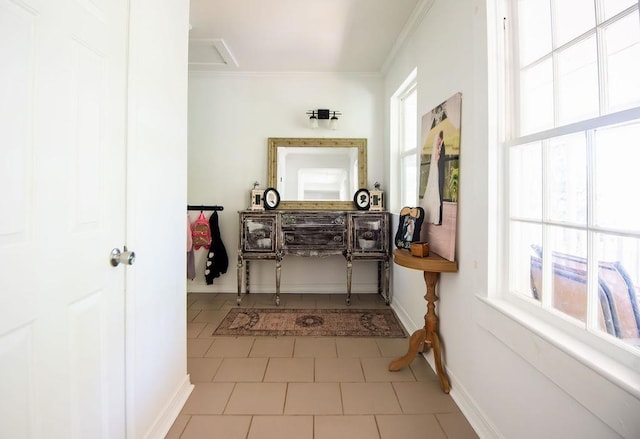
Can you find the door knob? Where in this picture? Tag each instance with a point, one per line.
(122, 257)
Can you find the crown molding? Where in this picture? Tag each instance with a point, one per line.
(197, 73)
(417, 15)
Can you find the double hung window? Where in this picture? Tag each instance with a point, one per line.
(408, 144)
(572, 165)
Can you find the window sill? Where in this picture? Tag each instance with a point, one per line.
(568, 363)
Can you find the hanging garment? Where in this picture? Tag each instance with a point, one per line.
(201, 232)
(217, 259)
(191, 264)
(189, 235)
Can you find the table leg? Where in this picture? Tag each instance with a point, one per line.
(431, 324)
(387, 300)
(428, 336)
(247, 280)
(445, 385)
(349, 271)
(278, 273)
(416, 344)
(239, 275)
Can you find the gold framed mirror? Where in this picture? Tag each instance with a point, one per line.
(317, 174)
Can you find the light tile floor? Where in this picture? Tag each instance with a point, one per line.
(306, 387)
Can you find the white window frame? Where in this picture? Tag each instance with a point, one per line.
(408, 153)
(398, 153)
(616, 361)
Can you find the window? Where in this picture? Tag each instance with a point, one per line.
(573, 165)
(405, 119)
(408, 146)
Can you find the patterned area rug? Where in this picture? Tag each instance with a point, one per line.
(311, 322)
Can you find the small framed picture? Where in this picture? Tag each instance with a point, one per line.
(409, 226)
(256, 199)
(271, 198)
(362, 199)
(377, 200)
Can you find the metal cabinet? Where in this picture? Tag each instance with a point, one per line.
(271, 235)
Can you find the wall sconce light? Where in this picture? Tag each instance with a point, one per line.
(329, 115)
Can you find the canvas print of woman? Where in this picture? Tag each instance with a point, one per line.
(434, 192)
(439, 172)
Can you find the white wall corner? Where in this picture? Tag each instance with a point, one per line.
(169, 413)
(414, 20)
(471, 410)
(409, 324)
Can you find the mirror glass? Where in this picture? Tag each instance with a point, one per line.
(317, 173)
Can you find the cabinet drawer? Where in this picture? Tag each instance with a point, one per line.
(314, 237)
(312, 219)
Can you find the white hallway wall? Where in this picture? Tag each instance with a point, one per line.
(503, 393)
(157, 380)
(231, 116)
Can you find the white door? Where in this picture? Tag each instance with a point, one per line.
(62, 198)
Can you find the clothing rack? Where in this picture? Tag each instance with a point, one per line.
(204, 207)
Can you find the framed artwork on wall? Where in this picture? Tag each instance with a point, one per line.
(439, 175)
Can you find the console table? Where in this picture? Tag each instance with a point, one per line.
(428, 336)
(274, 234)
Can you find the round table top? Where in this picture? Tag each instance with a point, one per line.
(433, 263)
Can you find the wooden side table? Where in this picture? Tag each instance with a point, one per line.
(427, 337)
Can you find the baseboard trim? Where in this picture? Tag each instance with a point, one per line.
(469, 408)
(404, 318)
(269, 288)
(171, 410)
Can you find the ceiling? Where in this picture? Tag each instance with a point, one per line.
(298, 36)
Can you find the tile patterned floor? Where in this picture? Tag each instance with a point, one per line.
(306, 387)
